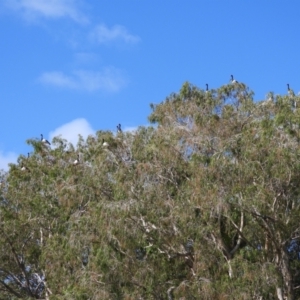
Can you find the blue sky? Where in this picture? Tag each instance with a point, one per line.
(78, 66)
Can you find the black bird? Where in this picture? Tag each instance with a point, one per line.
(206, 91)
(44, 140)
(119, 130)
(290, 91)
(140, 253)
(292, 95)
(233, 80)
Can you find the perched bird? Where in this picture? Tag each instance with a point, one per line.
(290, 91)
(206, 90)
(44, 140)
(189, 246)
(292, 96)
(233, 80)
(140, 253)
(85, 256)
(23, 168)
(76, 161)
(270, 97)
(104, 144)
(119, 130)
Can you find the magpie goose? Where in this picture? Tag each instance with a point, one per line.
(23, 168)
(233, 80)
(76, 161)
(44, 140)
(270, 97)
(206, 91)
(119, 130)
(290, 91)
(104, 144)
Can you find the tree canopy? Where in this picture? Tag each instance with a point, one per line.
(205, 204)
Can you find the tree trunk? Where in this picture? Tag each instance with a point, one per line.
(279, 293)
(286, 276)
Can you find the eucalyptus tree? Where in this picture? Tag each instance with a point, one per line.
(244, 163)
(204, 205)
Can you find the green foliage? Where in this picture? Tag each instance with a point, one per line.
(204, 205)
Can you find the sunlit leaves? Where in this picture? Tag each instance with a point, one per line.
(218, 169)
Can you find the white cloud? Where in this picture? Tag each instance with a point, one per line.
(102, 34)
(70, 131)
(58, 79)
(32, 9)
(109, 79)
(6, 158)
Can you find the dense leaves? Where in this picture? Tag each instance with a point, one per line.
(204, 205)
